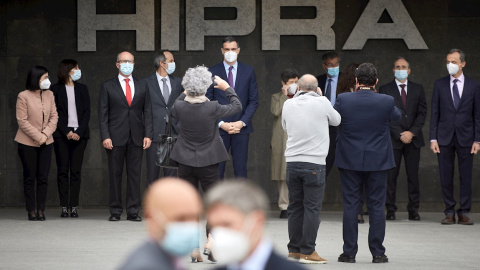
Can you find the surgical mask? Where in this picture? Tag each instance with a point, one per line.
(171, 68)
(126, 68)
(45, 84)
(180, 238)
(333, 71)
(230, 56)
(292, 89)
(401, 74)
(77, 74)
(452, 68)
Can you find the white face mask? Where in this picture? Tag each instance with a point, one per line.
(452, 68)
(229, 246)
(292, 89)
(230, 56)
(45, 84)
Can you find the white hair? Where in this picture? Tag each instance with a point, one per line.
(197, 80)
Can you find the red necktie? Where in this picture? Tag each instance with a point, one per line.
(128, 92)
(404, 96)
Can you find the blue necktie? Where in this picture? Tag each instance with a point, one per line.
(456, 95)
(329, 89)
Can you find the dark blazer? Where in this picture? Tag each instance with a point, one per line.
(322, 80)
(446, 120)
(117, 120)
(148, 256)
(276, 262)
(245, 88)
(364, 135)
(413, 117)
(160, 108)
(82, 102)
(199, 143)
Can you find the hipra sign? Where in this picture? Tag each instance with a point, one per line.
(197, 28)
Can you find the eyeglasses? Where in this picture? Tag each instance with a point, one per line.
(125, 61)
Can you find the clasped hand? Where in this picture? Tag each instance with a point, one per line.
(232, 127)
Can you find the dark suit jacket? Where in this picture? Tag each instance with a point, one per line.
(446, 120)
(199, 143)
(82, 102)
(117, 120)
(322, 81)
(413, 117)
(148, 256)
(364, 135)
(276, 262)
(246, 89)
(160, 108)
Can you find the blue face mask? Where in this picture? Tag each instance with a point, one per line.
(401, 74)
(126, 68)
(77, 74)
(180, 238)
(171, 68)
(333, 71)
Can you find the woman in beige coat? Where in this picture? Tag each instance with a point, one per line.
(37, 120)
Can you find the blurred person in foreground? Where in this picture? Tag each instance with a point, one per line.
(237, 215)
(172, 212)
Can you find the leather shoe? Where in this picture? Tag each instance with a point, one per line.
(414, 216)
(449, 220)
(64, 213)
(283, 214)
(73, 212)
(390, 215)
(464, 220)
(41, 216)
(346, 258)
(360, 219)
(114, 218)
(134, 217)
(380, 259)
(32, 216)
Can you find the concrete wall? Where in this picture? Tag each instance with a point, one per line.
(45, 32)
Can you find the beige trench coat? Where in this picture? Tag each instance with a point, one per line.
(279, 138)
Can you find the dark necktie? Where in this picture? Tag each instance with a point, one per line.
(329, 89)
(128, 92)
(166, 93)
(456, 94)
(230, 77)
(404, 96)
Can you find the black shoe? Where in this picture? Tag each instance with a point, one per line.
(114, 218)
(346, 258)
(73, 212)
(360, 219)
(209, 254)
(32, 216)
(283, 214)
(390, 215)
(64, 213)
(380, 259)
(41, 216)
(414, 216)
(134, 217)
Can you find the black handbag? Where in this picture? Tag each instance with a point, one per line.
(166, 142)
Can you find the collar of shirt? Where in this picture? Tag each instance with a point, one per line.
(460, 84)
(333, 85)
(159, 78)
(227, 66)
(123, 84)
(400, 88)
(258, 259)
(122, 78)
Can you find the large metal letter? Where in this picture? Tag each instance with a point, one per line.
(273, 27)
(197, 27)
(402, 27)
(170, 35)
(89, 22)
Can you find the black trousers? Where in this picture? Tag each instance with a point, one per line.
(131, 155)
(207, 176)
(36, 165)
(330, 160)
(69, 156)
(411, 156)
(153, 171)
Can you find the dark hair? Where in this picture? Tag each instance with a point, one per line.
(329, 55)
(366, 74)
(288, 74)
(347, 80)
(160, 57)
(230, 39)
(64, 68)
(462, 54)
(33, 77)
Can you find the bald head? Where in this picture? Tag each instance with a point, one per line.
(307, 82)
(125, 55)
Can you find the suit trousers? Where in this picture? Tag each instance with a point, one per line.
(375, 188)
(282, 195)
(153, 171)
(69, 157)
(207, 176)
(446, 165)
(306, 185)
(131, 155)
(238, 143)
(330, 160)
(411, 156)
(36, 165)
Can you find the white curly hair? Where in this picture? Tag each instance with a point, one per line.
(197, 80)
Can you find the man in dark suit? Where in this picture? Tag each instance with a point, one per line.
(328, 84)
(455, 128)
(406, 135)
(172, 212)
(238, 211)
(364, 156)
(235, 129)
(164, 89)
(125, 116)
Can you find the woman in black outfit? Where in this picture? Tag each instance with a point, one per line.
(72, 134)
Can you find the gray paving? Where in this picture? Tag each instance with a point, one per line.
(91, 242)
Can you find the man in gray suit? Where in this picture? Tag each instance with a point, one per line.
(172, 212)
(164, 89)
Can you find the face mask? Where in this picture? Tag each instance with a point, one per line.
(229, 246)
(333, 71)
(126, 68)
(45, 84)
(230, 56)
(180, 238)
(401, 74)
(77, 74)
(452, 68)
(171, 68)
(292, 89)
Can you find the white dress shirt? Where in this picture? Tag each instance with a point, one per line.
(123, 84)
(160, 83)
(400, 88)
(460, 83)
(258, 259)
